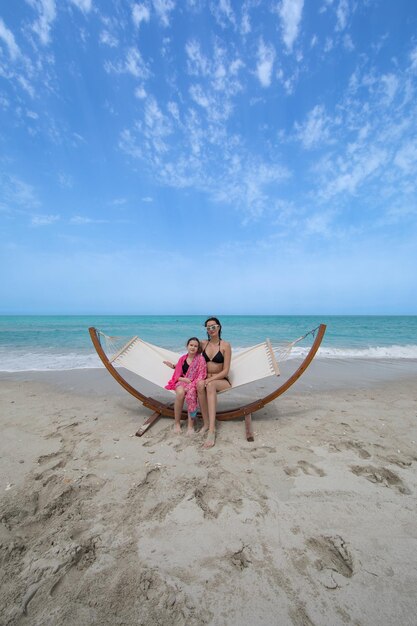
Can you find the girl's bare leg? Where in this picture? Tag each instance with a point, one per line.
(190, 425)
(212, 389)
(179, 403)
(202, 400)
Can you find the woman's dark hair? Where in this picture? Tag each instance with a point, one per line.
(214, 319)
(200, 349)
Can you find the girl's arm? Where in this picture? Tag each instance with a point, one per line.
(171, 365)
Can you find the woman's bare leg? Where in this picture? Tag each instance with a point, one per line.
(202, 400)
(212, 389)
(179, 403)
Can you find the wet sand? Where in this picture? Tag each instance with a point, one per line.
(311, 524)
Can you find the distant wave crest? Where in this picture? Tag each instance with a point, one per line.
(376, 352)
(20, 361)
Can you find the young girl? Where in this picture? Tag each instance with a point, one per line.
(190, 369)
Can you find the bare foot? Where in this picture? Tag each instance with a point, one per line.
(210, 440)
(203, 430)
(190, 432)
(177, 429)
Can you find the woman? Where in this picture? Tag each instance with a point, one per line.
(190, 369)
(217, 354)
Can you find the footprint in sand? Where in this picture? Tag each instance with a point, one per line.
(334, 557)
(346, 426)
(260, 453)
(162, 436)
(392, 459)
(306, 468)
(356, 446)
(145, 501)
(240, 559)
(382, 476)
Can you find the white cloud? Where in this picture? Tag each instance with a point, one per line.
(290, 12)
(14, 191)
(80, 220)
(348, 43)
(44, 220)
(406, 157)
(65, 180)
(84, 5)
(197, 63)
(316, 128)
(108, 39)
(4, 102)
(174, 110)
(157, 127)
(198, 95)
(140, 93)
(342, 13)
(25, 84)
(266, 56)
(352, 173)
(390, 84)
(223, 13)
(163, 8)
(119, 201)
(245, 185)
(7, 36)
(133, 64)
(219, 79)
(319, 223)
(140, 13)
(245, 25)
(328, 44)
(47, 14)
(413, 58)
(147, 199)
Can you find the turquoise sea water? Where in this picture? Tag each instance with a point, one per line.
(63, 342)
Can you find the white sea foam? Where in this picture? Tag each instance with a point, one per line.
(43, 362)
(376, 352)
(20, 361)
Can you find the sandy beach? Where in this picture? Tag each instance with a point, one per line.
(314, 523)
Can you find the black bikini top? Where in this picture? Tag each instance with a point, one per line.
(185, 367)
(218, 358)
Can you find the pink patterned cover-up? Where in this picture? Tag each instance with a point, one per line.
(196, 371)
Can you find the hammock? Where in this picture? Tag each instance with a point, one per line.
(146, 360)
(250, 365)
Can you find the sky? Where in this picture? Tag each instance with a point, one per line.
(208, 157)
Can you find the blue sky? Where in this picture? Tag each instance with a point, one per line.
(208, 156)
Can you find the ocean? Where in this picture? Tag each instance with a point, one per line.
(62, 342)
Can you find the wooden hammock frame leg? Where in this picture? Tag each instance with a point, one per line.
(248, 427)
(152, 419)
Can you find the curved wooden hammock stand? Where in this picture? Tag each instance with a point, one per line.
(244, 411)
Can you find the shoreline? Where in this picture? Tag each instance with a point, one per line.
(314, 521)
(322, 374)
